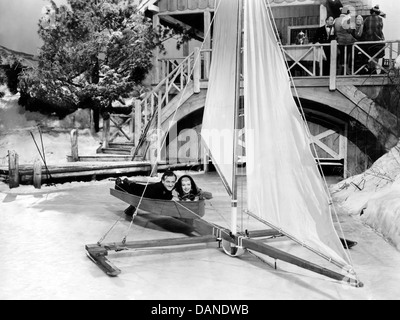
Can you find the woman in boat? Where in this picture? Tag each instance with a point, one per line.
(187, 190)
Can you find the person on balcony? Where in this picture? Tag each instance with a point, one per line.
(334, 8)
(360, 59)
(358, 31)
(373, 31)
(325, 34)
(345, 39)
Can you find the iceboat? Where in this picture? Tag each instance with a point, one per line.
(170, 208)
(285, 190)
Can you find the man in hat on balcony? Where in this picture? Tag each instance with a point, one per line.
(373, 31)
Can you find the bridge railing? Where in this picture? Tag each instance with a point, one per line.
(360, 58)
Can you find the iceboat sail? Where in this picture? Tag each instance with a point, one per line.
(219, 114)
(284, 187)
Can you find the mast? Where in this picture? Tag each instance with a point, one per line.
(234, 200)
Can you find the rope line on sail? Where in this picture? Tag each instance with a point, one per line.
(165, 137)
(308, 132)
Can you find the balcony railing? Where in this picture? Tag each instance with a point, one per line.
(310, 60)
(316, 60)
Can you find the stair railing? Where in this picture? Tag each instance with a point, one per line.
(146, 110)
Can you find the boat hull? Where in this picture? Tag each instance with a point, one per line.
(177, 209)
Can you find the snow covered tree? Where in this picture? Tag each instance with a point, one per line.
(94, 52)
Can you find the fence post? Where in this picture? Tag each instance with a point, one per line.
(159, 127)
(333, 66)
(153, 154)
(74, 145)
(37, 174)
(138, 121)
(106, 133)
(206, 160)
(197, 70)
(13, 169)
(207, 45)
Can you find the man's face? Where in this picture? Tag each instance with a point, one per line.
(169, 183)
(329, 21)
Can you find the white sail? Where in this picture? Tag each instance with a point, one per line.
(284, 185)
(285, 188)
(218, 120)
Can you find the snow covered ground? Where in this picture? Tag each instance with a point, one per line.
(43, 234)
(374, 196)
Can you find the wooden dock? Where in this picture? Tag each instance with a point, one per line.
(75, 171)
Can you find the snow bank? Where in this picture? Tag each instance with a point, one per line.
(375, 196)
(383, 214)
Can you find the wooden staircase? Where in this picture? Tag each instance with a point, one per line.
(125, 136)
(118, 148)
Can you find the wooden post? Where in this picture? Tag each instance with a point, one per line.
(206, 160)
(37, 174)
(345, 147)
(197, 70)
(332, 75)
(13, 169)
(106, 133)
(156, 63)
(153, 155)
(207, 44)
(132, 126)
(138, 121)
(74, 145)
(159, 127)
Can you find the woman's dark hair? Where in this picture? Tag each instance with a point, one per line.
(178, 185)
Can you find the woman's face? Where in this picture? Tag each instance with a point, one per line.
(359, 20)
(186, 185)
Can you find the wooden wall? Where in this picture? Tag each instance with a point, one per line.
(291, 16)
(184, 5)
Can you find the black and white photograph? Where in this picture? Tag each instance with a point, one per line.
(195, 156)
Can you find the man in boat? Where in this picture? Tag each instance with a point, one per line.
(161, 190)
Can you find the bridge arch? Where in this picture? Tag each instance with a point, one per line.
(367, 135)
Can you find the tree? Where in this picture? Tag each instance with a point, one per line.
(94, 53)
(10, 68)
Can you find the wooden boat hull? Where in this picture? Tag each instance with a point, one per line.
(177, 209)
